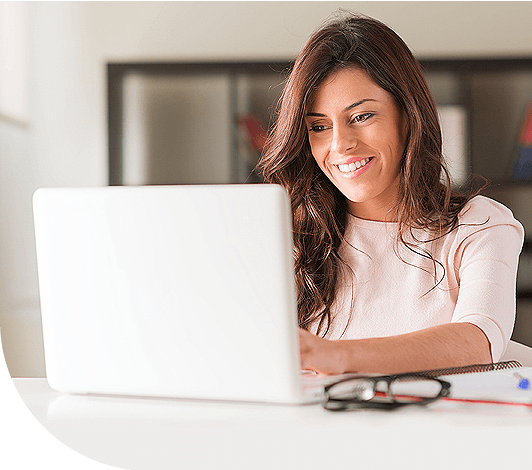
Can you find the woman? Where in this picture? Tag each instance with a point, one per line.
(395, 271)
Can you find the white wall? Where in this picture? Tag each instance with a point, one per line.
(69, 43)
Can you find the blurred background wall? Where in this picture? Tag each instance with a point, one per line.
(53, 121)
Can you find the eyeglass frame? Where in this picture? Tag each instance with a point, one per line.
(344, 404)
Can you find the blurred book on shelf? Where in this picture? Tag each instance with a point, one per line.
(254, 131)
(522, 159)
(251, 142)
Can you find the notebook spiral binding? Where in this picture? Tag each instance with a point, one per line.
(468, 369)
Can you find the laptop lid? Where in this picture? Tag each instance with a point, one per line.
(169, 291)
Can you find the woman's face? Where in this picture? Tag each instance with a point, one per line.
(357, 134)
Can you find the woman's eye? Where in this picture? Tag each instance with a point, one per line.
(317, 128)
(362, 117)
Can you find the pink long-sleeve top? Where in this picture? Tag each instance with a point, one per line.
(391, 290)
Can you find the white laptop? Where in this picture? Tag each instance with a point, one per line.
(170, 291)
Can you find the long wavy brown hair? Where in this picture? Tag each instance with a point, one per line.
(319, 210)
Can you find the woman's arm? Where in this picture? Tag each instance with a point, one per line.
(442, 346)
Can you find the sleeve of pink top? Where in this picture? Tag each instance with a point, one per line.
(487, 267)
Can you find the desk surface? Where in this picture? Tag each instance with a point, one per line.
(157, 434)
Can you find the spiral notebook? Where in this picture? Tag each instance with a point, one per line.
(499, 383)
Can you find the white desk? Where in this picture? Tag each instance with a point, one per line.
(156, 434)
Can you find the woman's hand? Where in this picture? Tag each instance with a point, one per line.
(321, 355)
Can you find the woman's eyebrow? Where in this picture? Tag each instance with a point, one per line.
(351, 106)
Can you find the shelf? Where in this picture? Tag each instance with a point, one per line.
(524, 295)
(493, 92)
(164, 118)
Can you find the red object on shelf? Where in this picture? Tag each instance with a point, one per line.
(254, 130)
(525, 137)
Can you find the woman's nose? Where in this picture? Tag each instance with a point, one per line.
(342, 139)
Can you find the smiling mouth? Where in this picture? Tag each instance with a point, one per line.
(350, 167)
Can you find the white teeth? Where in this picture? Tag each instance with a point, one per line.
(346, 168)
(343, 168)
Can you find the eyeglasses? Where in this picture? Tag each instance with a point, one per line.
(384, 392)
